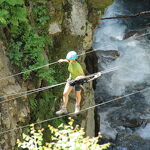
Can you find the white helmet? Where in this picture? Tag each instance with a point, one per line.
(72, 55)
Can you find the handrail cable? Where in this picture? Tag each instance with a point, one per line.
(72, 113)
(127, 16)
(49, 64)
(52, 86)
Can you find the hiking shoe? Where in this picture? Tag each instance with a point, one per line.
(63, 110)
(77, 109)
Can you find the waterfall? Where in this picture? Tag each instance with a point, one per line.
(134, 51)
(124, 43)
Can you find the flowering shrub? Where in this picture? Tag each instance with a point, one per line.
(65, 137)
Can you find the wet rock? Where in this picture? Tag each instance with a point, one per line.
(133, 142)
(91, 62)
(136, 33)
(132, 123)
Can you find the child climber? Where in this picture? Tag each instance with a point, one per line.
(76, 73)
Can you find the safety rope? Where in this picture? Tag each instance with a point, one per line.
(127, 16)
(25, 93)
(29, 70)
(138, 36)
(30, 92)
(41, 89)
(56, 62)
(72, 113)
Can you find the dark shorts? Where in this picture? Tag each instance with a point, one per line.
(75, 84)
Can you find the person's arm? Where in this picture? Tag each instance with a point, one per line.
(63, 60)
(82, 75)
(69, 78)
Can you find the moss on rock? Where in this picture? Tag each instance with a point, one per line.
(97, 9)
(100, 4)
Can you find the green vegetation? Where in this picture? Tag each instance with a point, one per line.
(100, 5)
(64, 137)
(29, 45)
(12, 12)
(26, 44)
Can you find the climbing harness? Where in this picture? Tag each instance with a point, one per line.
(3, 78)
(87, 78)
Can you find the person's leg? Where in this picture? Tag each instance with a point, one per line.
(66, 93)
(78, 100)
(78, 97)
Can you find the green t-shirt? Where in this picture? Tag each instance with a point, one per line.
(75, 70)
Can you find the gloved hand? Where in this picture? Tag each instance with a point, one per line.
(61, 60)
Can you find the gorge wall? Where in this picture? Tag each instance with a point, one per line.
(71, 25)
(14, 113)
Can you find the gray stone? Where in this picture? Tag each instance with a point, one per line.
(10, 115)
(78, 18)
(54, 28)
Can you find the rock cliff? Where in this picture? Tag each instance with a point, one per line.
(15, 112)
(71, 26)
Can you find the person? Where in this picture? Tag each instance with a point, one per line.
(76, 73)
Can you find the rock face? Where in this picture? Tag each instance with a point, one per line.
(77, 34)
(71, 26)
(12, 113)
(78, 18)
(54, 28)
(125, 121)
